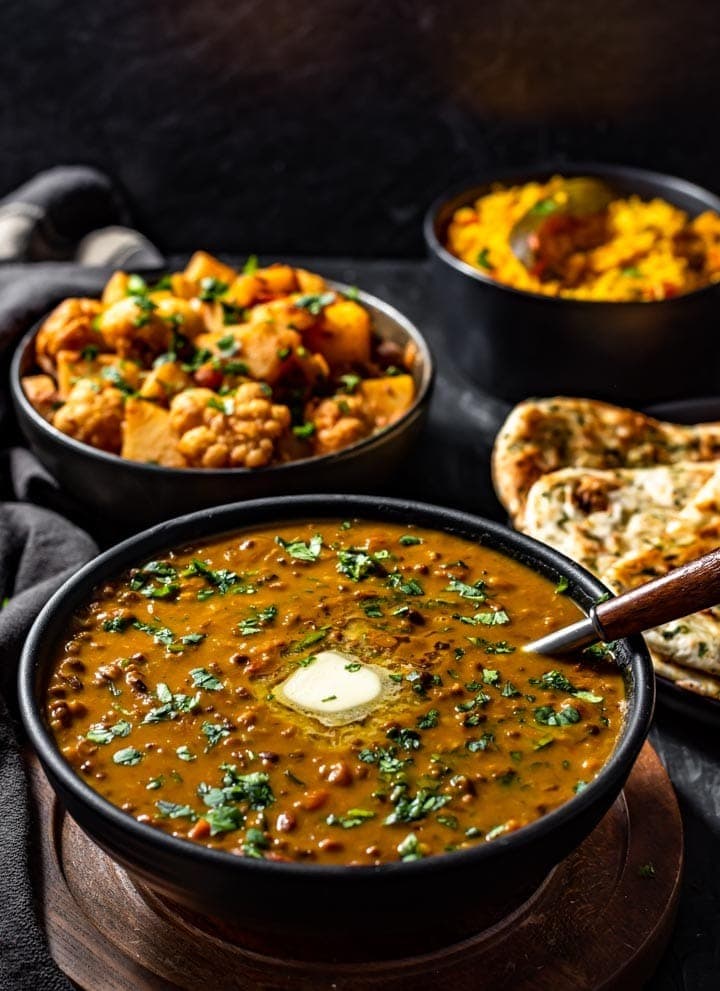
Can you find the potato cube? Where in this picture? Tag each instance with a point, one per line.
(309, 282)
(148, 436)
(115, 288)
(267, 350)
(342, 334)
(41, 393)
(164, 382)
(108, 368)
(277, 278)
(243, 291)
(204, 266)
(387, 398)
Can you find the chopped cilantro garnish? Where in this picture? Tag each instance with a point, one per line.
(224, 819)
(254, 843)
(483, 258)
(430, 720)
(172, 810)
(352, 819)
(145, 307)
(203, 679)
(408, 586)
(253, 789)
(222, 579)
(544, 207)
(565, 716)
(386, 759)
(211, 288)
(350, 382)
(497, 618)
(357, 563)
(101, 734)
(557, 681)
(257, 620)
(304, 430)
(313, 637)
(373, 610)
(224, 406)
(409, 848)
(492, 647)
(128, 757)
(411, 808)
(476, 591)
(136, 285)
(300, 550)
(214, 732)
(481, 743)
(314, 303)
(408, 739)
(118, 624)
(113, 375)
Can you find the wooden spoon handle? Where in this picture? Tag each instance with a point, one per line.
(685, 590)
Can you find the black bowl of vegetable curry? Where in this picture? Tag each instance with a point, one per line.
(312, 717)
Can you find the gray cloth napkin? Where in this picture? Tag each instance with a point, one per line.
(60, 234)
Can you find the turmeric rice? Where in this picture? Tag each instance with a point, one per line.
(648, 250)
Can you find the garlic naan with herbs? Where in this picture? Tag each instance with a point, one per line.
(625, 524)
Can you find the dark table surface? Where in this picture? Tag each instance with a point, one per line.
(452, 468)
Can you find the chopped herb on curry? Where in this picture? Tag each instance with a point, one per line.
(423, 727)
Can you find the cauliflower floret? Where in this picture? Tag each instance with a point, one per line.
(188, 409)
(93, 414)
(238, 431)
(339, 422)
(186, 315)
(69, 327)
(133, 328)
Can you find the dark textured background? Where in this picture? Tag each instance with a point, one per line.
(327, 126)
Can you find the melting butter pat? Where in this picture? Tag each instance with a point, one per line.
(336, 688)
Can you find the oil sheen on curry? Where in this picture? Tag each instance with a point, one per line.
(333, 692)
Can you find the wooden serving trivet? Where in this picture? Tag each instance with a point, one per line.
(599, 921)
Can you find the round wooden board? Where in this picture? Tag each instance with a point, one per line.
(597, 922)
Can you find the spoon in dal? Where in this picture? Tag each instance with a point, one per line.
(688, 589)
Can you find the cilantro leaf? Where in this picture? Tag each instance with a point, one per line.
(300, 550)
(128, 756)
(203, 679)
(476, 591)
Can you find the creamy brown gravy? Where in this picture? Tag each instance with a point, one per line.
(164, 696)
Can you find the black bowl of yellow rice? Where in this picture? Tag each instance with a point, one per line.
(635, 322)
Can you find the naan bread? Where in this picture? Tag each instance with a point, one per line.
(629, 525)
(597, 516)
(544, 435)
(690, 680)
(627, 496)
